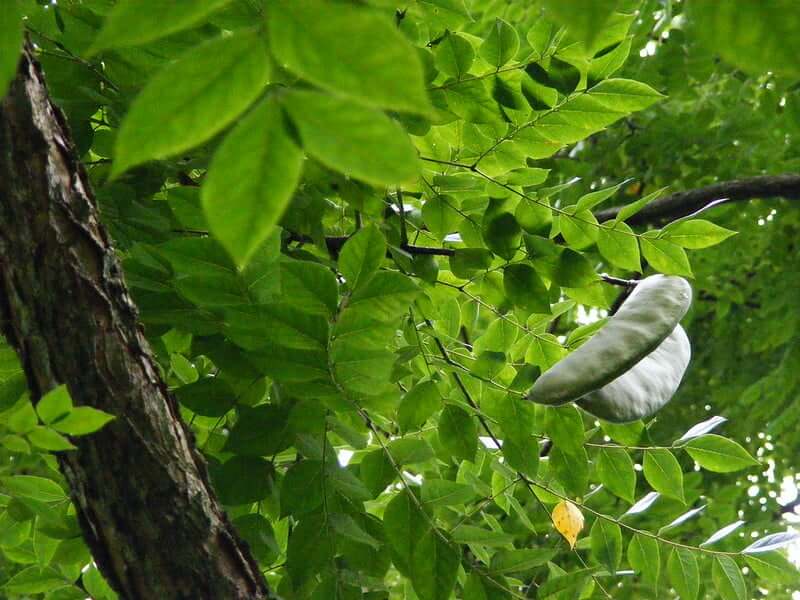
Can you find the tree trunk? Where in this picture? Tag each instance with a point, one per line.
(145, 505)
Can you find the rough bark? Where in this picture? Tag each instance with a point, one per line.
(146, 508)
(685, 203)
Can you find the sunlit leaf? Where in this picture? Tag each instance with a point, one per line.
(192, 99)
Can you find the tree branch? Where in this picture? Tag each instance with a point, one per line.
(681, 204)
(335, 243)
(140, 487)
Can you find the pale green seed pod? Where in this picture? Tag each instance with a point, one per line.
(647, 387)
(644, 320)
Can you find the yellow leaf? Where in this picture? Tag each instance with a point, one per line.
(568, 520)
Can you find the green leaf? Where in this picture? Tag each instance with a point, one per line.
(358, 141)
(502, 234)
(539, 37)
(258, 533)
(644, 557)
(253, 326)
(573, 269)
(721, 455)
(22, 418)
(606, 540)
(561, 75)
(54, 404)
(346, 526)
(210, 396)
(580, 229)
(520, 561)
(312, 546)
(664, 256)
(244, 480)
(684, 574)
(361, 256)
(96, 585)
(564, 426)
(405, 525)
(442, 492)
(469, 534)
(419, 403)
(35, 580)
(473, 588)
(534, 217)
(584, 18)
(15, 443)
(627, 434)
(774, 567)
(468, 261)
(346, 483)
(592, 199)
(385, 296)
(663, 473)
(458, 433)
(545, 351)
(434, 567)
(561, 584)
(498, 337)
(454, 55)
(69, 592)
(624, 95)
(82, 420)
(376, 471)
(525, 289)
(36, 488)
(426, 267)
(500, 45)
(12, 389)
(445, 13)
(250, 181)
(192, 99)
(615, 471)
(440, 214)
(311, 286)
(348, 50)
(571, 470)
(10, 42)
(135, 22)
(406, 451)
(471, 101)
(302, 488)
(757, 37)
(634, 207)
(696, 234)
(728, 579)
(619, 246)
(47, 439)
(263, 430)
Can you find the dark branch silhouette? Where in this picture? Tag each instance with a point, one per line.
(681, 204)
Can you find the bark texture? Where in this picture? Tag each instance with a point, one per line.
(146, 508)
(685, 203)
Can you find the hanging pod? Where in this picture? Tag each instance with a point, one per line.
(632, 366)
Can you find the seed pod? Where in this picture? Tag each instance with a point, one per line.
(647, 387)
(644, 320)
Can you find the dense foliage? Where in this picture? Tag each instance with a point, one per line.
(356, 233)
